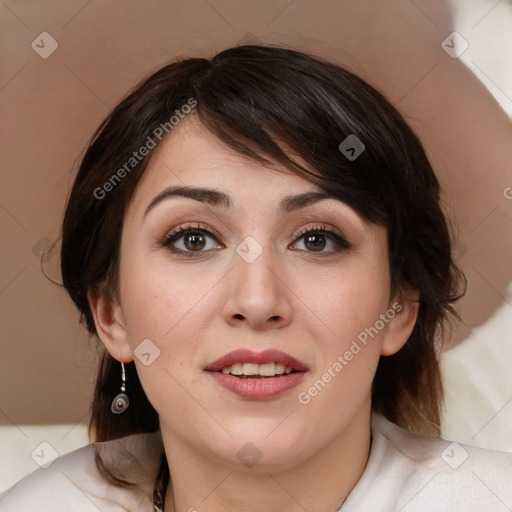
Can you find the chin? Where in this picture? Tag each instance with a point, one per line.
(260, 448)
(259, 459)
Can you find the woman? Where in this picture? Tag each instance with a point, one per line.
(258, 242)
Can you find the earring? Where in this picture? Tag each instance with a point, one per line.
(121, 402)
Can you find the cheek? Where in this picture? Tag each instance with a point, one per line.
(349, 304)
(172, 308)
(348, 353)
(350, 300)
(158, 297)
(169, 310)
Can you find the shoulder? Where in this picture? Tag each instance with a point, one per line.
(416, 473)
(73, 483)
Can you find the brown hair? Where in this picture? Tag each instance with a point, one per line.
(251, 97)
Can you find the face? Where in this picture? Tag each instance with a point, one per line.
(200, 279)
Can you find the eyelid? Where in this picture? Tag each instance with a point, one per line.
(186, 226)
(321, 227)
(329, 232)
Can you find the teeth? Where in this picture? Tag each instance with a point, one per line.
(237, 369)
(264, 370)
(250, 369)
(267, 369)
(280, 368)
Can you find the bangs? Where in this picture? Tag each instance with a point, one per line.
(267, 118)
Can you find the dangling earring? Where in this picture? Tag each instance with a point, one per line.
(121, 402)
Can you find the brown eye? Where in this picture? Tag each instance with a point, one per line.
(194, 241)
(315, 242)
(318, 239)
(189, 240)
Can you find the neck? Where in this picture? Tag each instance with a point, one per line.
(321, 482)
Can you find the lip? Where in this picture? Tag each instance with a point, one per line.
(258, 389)
(249, 356)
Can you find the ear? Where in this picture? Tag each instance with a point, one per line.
(110, 326)
(406, 306)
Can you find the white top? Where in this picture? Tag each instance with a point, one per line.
(405, 473)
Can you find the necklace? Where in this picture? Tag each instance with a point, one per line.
(162, 481)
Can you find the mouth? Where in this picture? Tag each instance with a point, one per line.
(257, 375)
(257, 371)
(247, 363)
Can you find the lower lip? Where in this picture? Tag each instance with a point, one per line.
(258, 389)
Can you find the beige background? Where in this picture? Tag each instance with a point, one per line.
(50, 107)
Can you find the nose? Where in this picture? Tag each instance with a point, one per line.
(258, 294)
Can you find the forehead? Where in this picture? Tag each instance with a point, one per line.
(191, 156)
(250, 193)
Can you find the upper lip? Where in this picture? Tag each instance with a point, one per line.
(249, 356)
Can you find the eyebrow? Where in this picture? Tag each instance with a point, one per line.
(221, 200)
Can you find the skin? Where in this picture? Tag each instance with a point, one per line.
(195, 309)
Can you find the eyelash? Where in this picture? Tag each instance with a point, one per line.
(180, 231)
